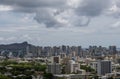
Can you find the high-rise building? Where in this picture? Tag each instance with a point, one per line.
(72, 67)
(64, 49)
(62, 55)
(94, 65)
(79, 50)
(54, 68)
(112, 50)
(56, 59)
(104, 67)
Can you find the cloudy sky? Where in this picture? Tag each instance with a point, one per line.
(58, 22)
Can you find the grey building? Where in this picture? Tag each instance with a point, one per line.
(104, 67)
(54, 68)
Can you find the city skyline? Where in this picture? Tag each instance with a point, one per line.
(60, 22)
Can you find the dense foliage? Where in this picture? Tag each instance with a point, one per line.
(48, 76)
(23, 70)
(86, 68)
(4, 77)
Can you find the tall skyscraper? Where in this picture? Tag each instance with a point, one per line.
(112, 50)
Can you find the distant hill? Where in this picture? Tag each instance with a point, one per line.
(14, 46)
(18, 48)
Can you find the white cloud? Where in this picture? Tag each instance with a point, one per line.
(49, 12)
(5, 8)
(116, 25)
(11, 39)
(1, 39)
(7, 39)
(27, 20)
(26, 37)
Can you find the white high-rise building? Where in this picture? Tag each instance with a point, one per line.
(104, 67)
(94, 65)
(54, 67)
(72, 67)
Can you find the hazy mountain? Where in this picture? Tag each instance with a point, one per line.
(18, 48)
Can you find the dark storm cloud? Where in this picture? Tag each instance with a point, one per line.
(85, 23)
(33, 3)
(47, 17)
(118, 3)
(116, 9)
(92, 8)
(47, 10)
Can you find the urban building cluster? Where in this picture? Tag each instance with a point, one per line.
(91, 51)
(84, 68)
(73, 62)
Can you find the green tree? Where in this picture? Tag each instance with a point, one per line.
(110, 78)
(4, 77)
(48, 76)
(87, 68)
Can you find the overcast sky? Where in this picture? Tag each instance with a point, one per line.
(60, 22)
